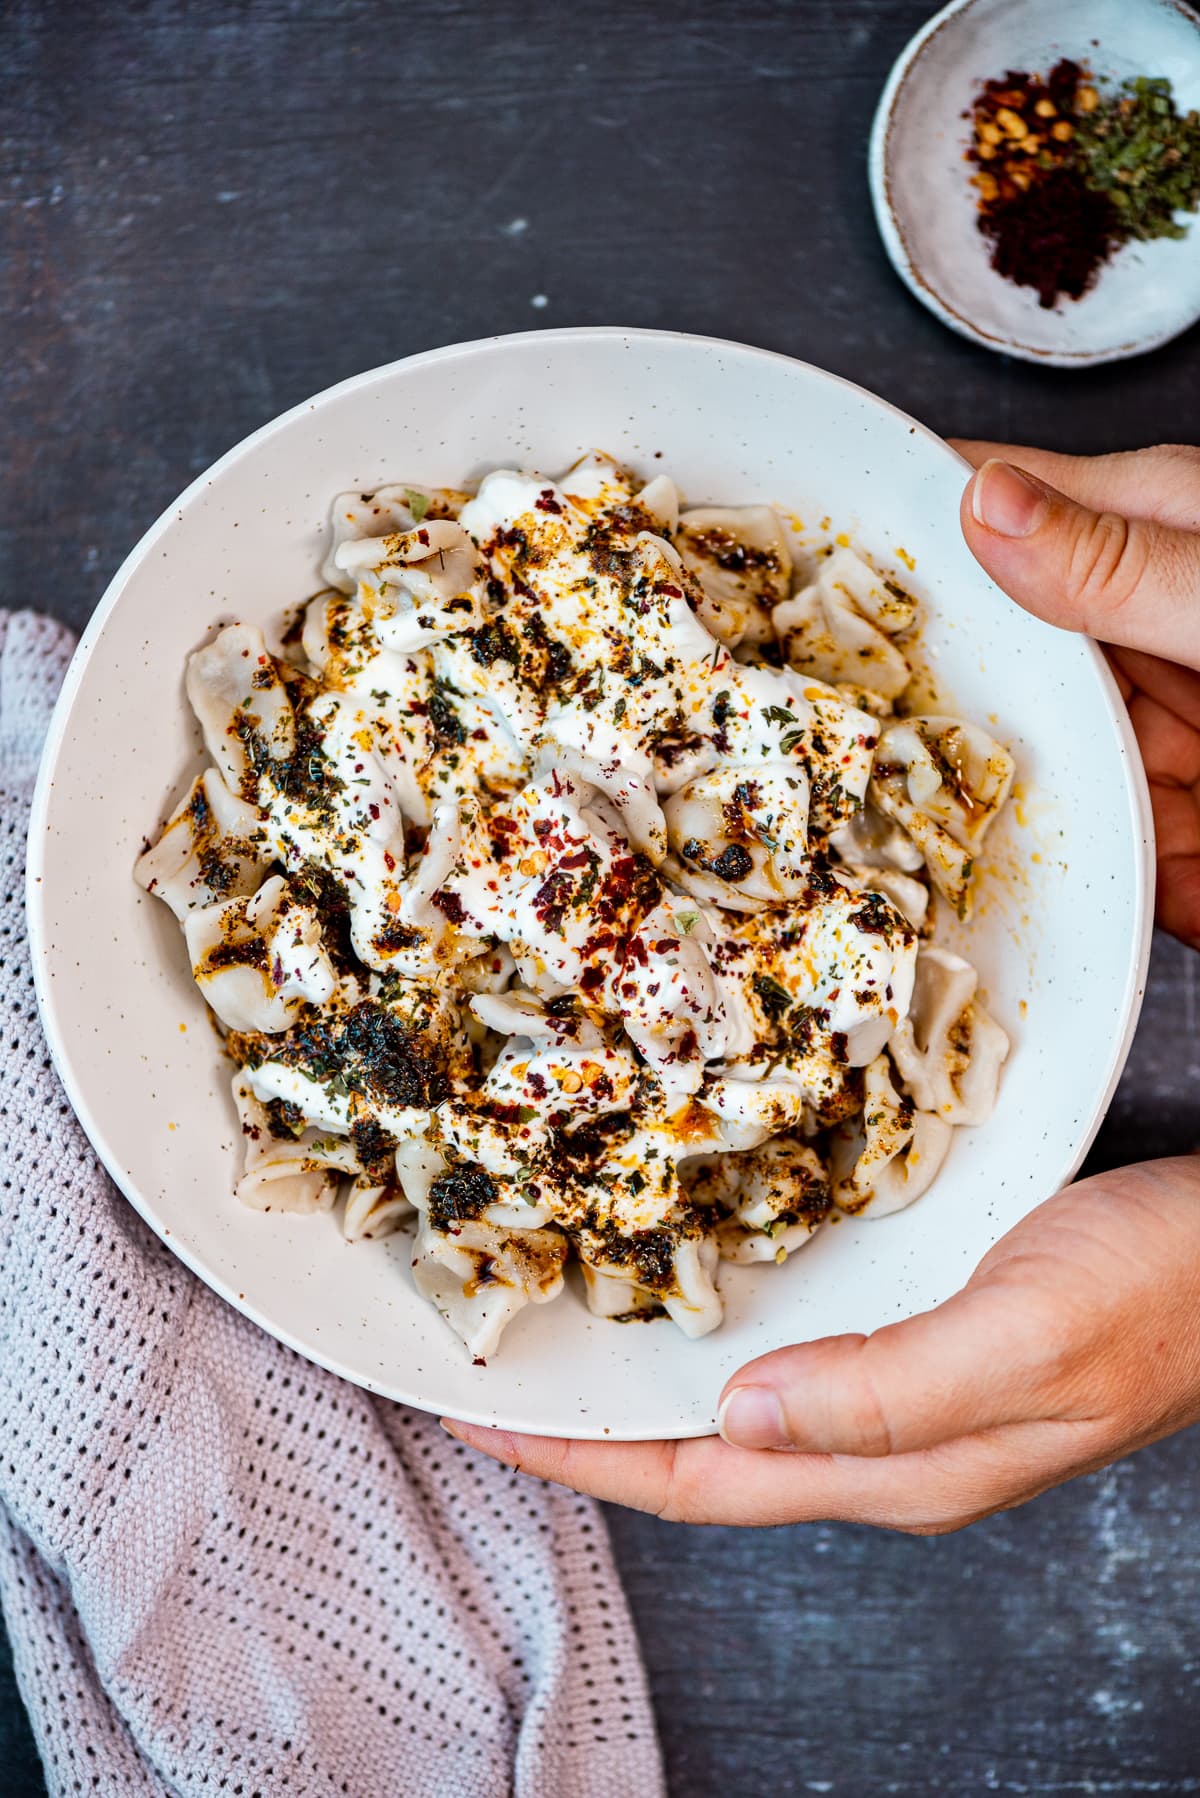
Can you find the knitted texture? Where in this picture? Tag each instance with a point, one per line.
(223, 1569)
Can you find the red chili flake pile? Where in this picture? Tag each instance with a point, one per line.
(1048, 228)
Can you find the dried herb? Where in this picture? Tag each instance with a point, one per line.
(1137, 148)
(462, 1193)
(774, 998)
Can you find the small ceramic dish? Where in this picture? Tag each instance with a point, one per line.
(925, 206)
(1061, 935)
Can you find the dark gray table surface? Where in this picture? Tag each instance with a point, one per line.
(211, 211)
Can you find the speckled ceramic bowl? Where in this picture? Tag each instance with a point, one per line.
(925, 206)
(1061, 935)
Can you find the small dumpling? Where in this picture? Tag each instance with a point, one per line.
(590, 752)
(949, 1051)
(383, 1060)
(214, 846)
(615, 1297)
(870, 839)
(242, 704)
(382, 513)
(284, 1171)
(910, 897)
(685, 1291)
(425, 935)
(374, 1208)
(339, 641)
(774, 1197)
(840, 628)
(537, 1073)
(418, 586)
(943, 781)
(740, 835)
(668, 1000)
(487, 1163)
(659, 500)
(479, 1276)
(741, 559)
(844, 964)
(337, 805)
(258, 960)
(750, 1107)
(885, 1161)
(418, 1164)
(598, 482)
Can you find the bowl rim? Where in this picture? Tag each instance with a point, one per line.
(891, 228)
(36, 891)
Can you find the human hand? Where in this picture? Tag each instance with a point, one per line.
(1110, 545)
(1076, 1340)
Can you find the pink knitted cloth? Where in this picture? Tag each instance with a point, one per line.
(225, 1570)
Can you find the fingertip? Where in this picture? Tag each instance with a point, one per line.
(1006, 501)
(502, 1445)
(753, 1417)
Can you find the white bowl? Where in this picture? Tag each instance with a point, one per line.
(925, 206)
(1061, 938)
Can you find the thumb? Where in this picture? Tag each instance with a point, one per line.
(965, 1367)
(1124, 580)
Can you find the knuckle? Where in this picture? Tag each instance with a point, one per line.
(1106, 564)
(681, 1499)
(864, 1428)
(1183, 457)
(1167, 479)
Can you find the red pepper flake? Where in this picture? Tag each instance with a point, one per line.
(546, 502)
(1049, 229)
(1055, 236)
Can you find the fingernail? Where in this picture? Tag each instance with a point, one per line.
(752, 1417)
(1005, 501)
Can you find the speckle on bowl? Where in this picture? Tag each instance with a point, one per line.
(925, 206)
